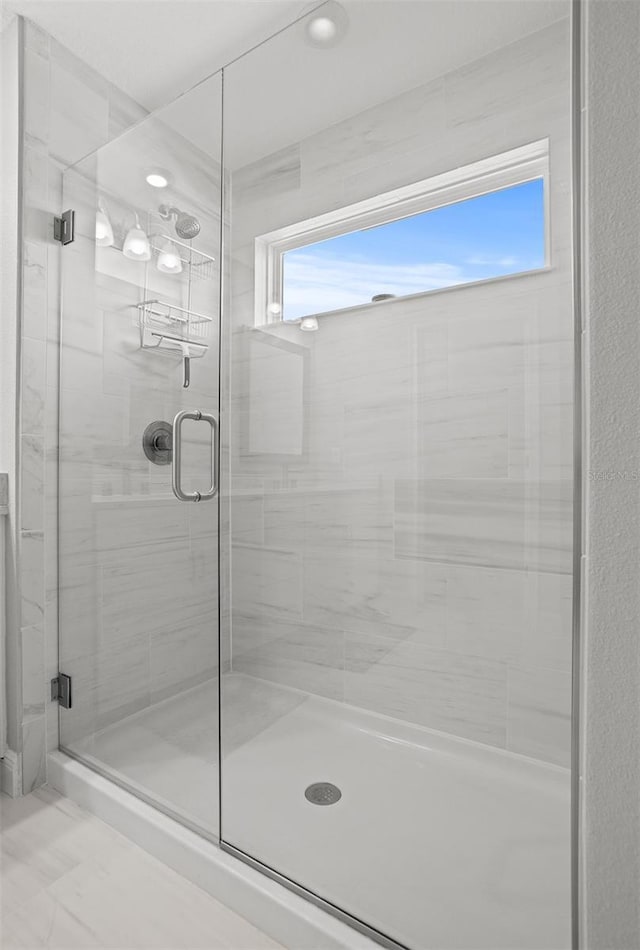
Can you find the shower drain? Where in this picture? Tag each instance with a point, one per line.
(323, 793)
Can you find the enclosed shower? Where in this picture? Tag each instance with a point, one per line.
(316, 466)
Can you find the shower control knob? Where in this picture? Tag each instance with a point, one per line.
(157, 442)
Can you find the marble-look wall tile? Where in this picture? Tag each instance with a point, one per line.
(247, 519)
(108, 685)
(158, 592)
(36, 38)
(37, 100)
(33, 754)
(79, 603)
(79, 115)
(539, 714)
(124, 113)
(297, 654)
(33, 386)
(462, 695)
(486, 611)
(356, 517)
(267, 583)
(536, 67)
(34, 291)
(183, 654)
(279, 173)
(33, 672)
(464, 435)
(69, 111)
(491, 522)
(4, 489)
(139, 527)
(381, 134)
(547, 641)
(32, 483)
(459, 402)
(397, 599)
(32, 577)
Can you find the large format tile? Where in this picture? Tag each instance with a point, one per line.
(464, 435)
(76, 883)
(489, 522)
(464, 696)
(33, 753)
(354, 517)
(33, 386)
(520, 617)
(300, 655)
(267, 583)
(32, 577)
(79, 115)
(486, 611)
(390, 598)
(539, 714)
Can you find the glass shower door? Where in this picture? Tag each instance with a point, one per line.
(397, 481)
(138, 566)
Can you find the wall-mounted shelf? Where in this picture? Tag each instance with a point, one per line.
(166, 326)
(164, 313)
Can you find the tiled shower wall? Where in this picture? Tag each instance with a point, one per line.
(69, 110)
(415, 558)
(138, 569)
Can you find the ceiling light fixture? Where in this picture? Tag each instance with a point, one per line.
(158, 177)
(326, 26)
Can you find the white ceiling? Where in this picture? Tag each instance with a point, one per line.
(285, 90)
(156, 49)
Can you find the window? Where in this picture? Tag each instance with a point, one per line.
(480, 222)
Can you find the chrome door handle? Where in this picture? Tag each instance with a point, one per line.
(176, 473)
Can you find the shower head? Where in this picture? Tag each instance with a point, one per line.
(186, 225)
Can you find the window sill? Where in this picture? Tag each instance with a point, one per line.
(409, 298)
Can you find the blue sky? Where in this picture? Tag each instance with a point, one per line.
(488, 236)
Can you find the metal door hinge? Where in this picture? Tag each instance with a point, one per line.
(61, 690)
(64, 227)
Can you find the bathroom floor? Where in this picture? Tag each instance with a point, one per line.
(70, 881)
(487, 866)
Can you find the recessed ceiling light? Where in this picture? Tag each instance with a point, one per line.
(158, 177)
(322, 30)
(326, 26)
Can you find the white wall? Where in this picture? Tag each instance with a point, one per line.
(611, 695)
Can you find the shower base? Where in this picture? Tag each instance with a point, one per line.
(436, 841)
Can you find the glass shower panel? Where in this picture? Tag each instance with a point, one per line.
(138, 567)
(397, 527)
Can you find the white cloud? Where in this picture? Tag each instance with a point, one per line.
(314, 284)
(492, 261)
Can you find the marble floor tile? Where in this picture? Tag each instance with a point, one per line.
(71, 881)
